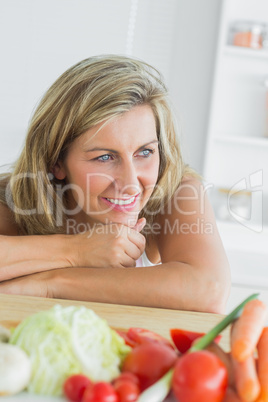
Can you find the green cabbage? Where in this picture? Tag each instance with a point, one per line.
(66, 340)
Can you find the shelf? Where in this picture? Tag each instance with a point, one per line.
(246, 52)
(251, 141)
(237, 144)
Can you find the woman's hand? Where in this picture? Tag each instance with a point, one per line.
(108, 246)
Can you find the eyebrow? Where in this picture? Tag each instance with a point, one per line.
(116, 152)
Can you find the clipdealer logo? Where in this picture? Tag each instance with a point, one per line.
(253, 188)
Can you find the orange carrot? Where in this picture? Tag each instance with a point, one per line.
(231, 396)
(262, 365)
(247, 329)
(246, 380)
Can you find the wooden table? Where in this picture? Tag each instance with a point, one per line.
(15, 308)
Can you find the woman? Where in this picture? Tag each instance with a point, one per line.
(100, 205)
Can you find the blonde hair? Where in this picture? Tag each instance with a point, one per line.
(90, 92)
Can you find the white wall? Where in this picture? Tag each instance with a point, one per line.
(192, 68)
(42, 38)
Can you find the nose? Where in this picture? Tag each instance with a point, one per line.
(127, 179)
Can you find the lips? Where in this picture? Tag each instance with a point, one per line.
(121, 201)
(122, 204)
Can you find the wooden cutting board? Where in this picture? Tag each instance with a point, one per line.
(14, 309)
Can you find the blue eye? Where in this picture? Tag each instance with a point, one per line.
(104, 158)
(146, 152)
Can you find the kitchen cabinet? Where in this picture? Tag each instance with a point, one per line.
(236, 166)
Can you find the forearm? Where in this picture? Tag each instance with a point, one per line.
(171, 285)
(23, 255)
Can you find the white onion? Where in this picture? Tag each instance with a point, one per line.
(15, 369)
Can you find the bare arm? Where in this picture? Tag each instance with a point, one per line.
(170, 285)
(194, 274)
(21, 255)
(25, 255)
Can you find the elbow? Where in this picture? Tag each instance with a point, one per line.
(216, 296)
(216, 289)
(211, 293)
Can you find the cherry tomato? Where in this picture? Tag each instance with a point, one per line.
(100, 392)
(199, 376)
(183, 339)
(149, 361)
(126, 390)
(141, 335)
(74, 387)
(127, 376)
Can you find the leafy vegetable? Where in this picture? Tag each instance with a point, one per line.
(68, 340)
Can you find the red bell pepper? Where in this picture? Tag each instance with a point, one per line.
(183, 339)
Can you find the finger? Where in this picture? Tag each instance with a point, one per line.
(140, 225)
(132, 236)
(128, 262)
(119, 230)
(137, 239)
(133, 251)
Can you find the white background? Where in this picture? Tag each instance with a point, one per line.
(40, 39)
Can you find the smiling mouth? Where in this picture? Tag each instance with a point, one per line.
(120, 202)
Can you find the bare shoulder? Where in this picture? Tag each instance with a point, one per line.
(8, 227)
(187, 203)
(188, 227)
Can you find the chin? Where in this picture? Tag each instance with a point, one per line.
(127, 221)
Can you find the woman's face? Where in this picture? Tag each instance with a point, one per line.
(112, 169)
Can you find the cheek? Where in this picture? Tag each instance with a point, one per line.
(91, 181)
(97, 183)
(151, 172)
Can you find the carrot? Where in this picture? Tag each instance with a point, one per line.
(246, 380)
(247, 329)
(262, 366)
(231, 396)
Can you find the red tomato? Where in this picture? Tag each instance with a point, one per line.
(183, 339)
(199, 376)
(126, 390)
(141, 335)
(100, 392)
(74, 387)
(149, 362)
(126, 338)
(127, 376)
